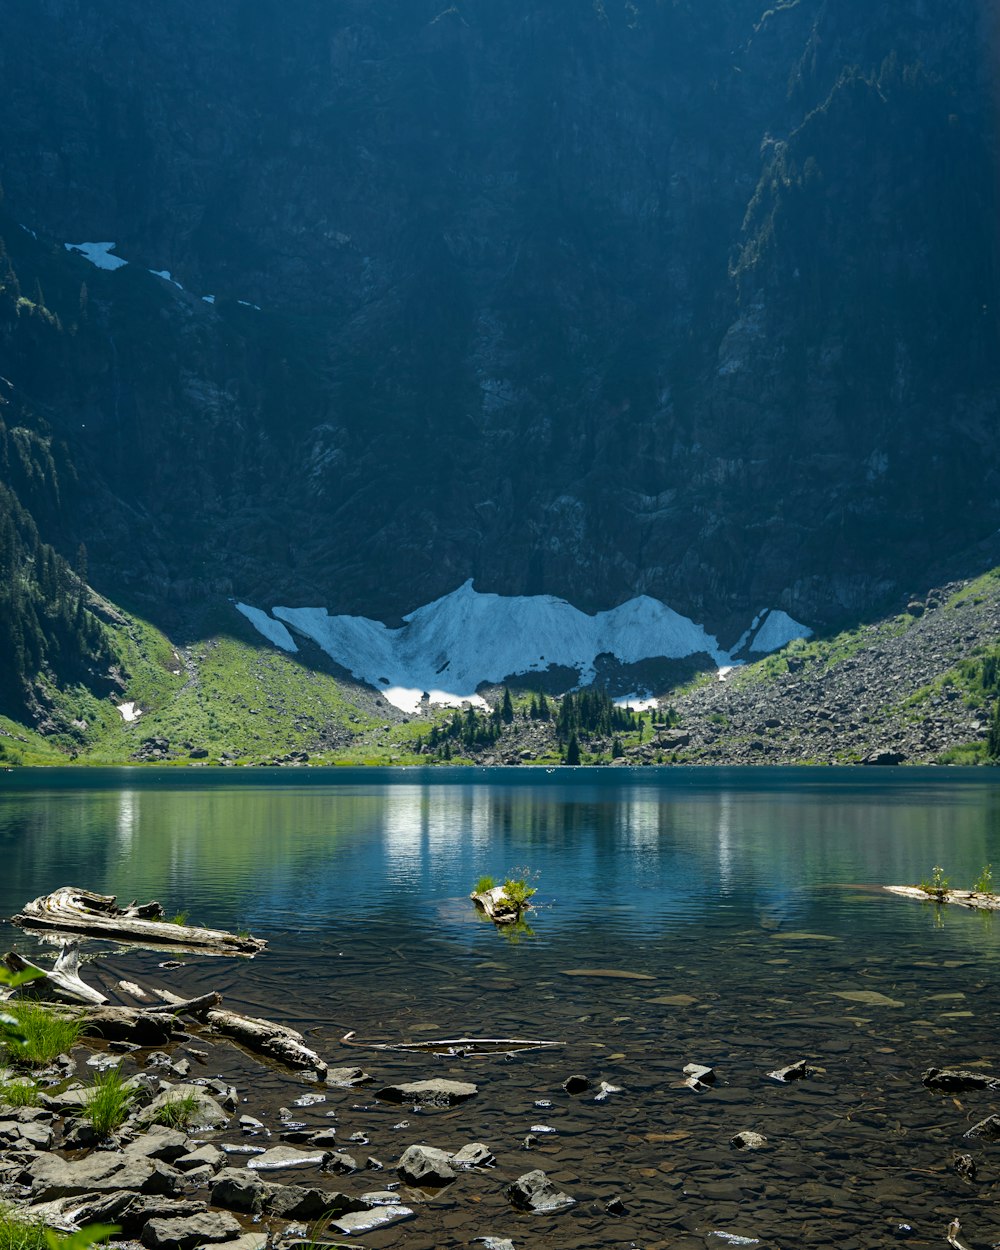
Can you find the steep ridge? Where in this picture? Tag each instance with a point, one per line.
(686, 300)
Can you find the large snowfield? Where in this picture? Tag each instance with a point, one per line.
(447, 648)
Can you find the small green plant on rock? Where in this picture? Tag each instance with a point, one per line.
(484, 884)
(984, 882)
(177, 1112)
(938, 884)
(109, 1101)
(180, 918)
(517, 892)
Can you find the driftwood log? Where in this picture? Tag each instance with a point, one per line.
(498, 906)
(72, 910)
(961, 898)
(467, 1047)
(61, 981)
(264, 1037)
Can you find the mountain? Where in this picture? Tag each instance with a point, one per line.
(693, 300)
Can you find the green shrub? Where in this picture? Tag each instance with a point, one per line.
(484, 884)
(984, 882)
(517, 892)
(108, 1101)
(37, 1035)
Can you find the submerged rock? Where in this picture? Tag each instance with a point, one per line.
(355, 1222)
(426, 1165)
(797, 1071)
(535, 1192)
(955, 1079)
(748, 1140)
(576, 1084)
(988, 1129)
(429, 1093)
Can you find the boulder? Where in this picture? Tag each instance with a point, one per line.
(160, 1142)
(748, 1140)
(288, 1157)
(239, 1190)
(474, 1155)
(303, 1202)
(426, 1166)
(188, 1232)
(101, 1172)
(431, 1093)
(207, 1112)
(535, 1192)
(29, 1135)
(205, 1156)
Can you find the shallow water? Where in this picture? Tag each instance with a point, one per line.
(727, 917)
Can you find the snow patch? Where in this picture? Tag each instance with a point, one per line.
(272, 630)
(209, 299)
(165, 275)
(777, 630)
(246, 304)
(447, 648)
(98, 254)
(27, 230)
(637, 703)
(130, 712)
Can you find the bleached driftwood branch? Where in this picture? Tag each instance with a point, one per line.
(962, 898)
(71, 909)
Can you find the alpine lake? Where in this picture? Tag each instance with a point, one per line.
(730, 918)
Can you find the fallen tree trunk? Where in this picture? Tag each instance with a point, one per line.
(975, 899)
(264, 1037)
(61, 981)
(70, 909)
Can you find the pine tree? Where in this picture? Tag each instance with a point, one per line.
(573, 752)
(507, 712)
(993, 741)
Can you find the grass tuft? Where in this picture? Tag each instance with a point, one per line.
(17, 1233)
(19, 1093)
(37, 1036)
(177, 1112)
(108, 1101)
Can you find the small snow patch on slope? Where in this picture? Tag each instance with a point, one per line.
(272, 630)
(777, 630)
(165, 275)
(98, 254)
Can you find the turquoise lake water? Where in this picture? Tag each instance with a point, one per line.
(729, 917)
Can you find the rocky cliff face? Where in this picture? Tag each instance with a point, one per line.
(685, 297)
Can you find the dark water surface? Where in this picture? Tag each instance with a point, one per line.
(727, 917)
